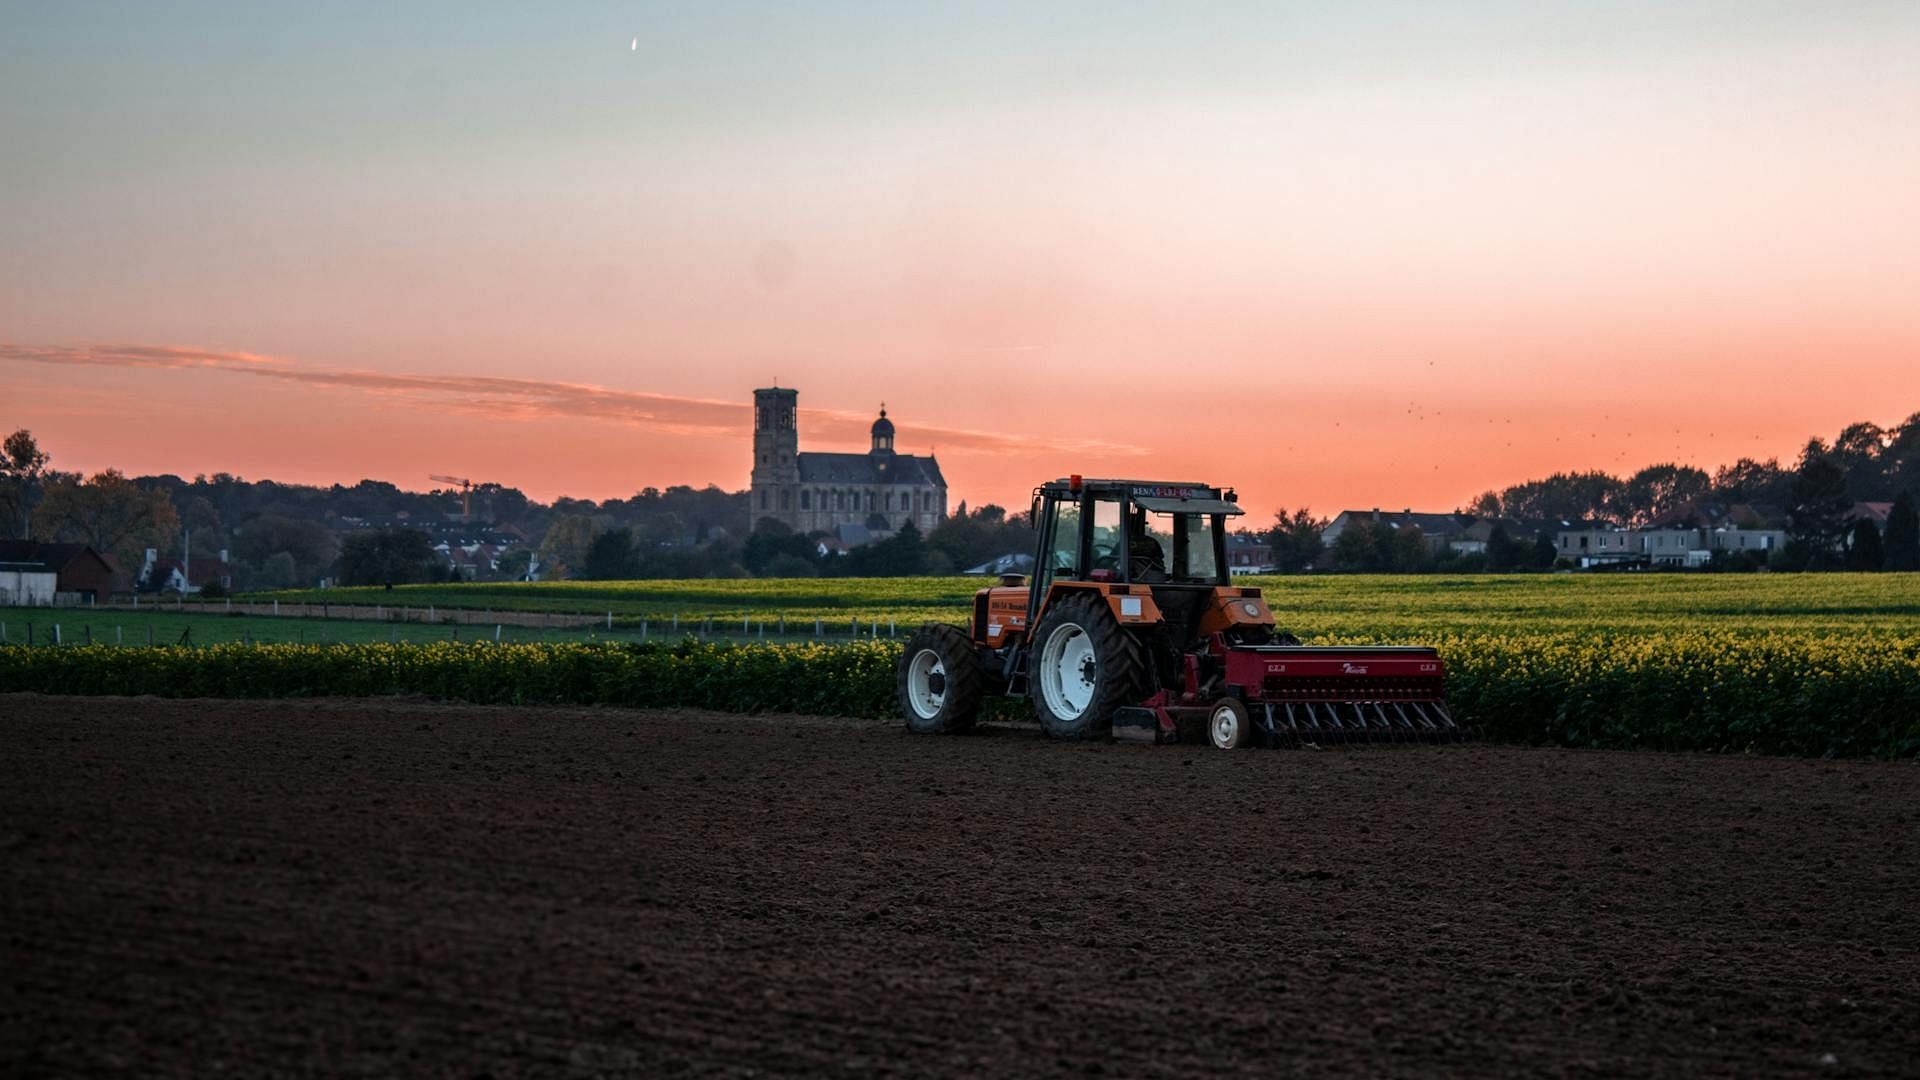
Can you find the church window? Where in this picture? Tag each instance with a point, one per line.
(806, 500)
(763, 498)
(786, 498)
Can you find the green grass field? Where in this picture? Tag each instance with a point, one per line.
(1404, 605)
(1403, 608)
(79, 625)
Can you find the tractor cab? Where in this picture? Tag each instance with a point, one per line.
(1163, 542)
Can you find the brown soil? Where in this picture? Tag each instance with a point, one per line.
(411, 889)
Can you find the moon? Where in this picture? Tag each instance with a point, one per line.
(636, 44)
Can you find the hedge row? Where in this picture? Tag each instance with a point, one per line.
(1777, 694)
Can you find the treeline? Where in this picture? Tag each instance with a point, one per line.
(1864, 463)
(963, 540)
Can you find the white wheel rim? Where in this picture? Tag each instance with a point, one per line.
(921, 695)
(1068, 671)
(1226, 725)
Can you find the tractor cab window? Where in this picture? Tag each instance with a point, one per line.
(1173, 549)
(1063, 555)
(1108, 539)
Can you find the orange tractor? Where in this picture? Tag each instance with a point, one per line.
(1130, 626)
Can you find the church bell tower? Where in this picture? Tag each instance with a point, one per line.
(776, 453)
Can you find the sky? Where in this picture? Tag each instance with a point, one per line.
(1334, 255)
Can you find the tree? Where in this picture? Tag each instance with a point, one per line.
(1820, 507)
(1378, 547)
(22, 466)
(771, 539)
(1295, 540)
(1750, 481)
(564, 549)
(1562, 496)
(1502, 553)
(1863, 547)
(280, 571)
(309, 544)
(514, 564)
(109, 513)
(1411, 553)
(611, 557)
(1544, 553)
(1902, 542)
(1659, 489)
(387, 557)
(1357, 550)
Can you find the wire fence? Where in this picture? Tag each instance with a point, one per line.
(208, 622)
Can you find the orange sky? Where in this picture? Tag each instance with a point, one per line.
(1333, 263)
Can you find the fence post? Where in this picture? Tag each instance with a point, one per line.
(56, 634)
(229, 605)
(746, 625)
(817, 629)
(117, 638)
(783, 626)
(676, 624)
(643, 629)
(496, 633)
(393, 633)
(609, 620)
(29, 633)
(893, 626)
(88, 630)
(149, 635)
(763, 629)
(276, 607)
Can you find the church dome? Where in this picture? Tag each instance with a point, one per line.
(883, 426)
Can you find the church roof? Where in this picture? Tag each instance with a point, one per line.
(819, 468)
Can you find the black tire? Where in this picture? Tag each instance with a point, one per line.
(1112, 677)
(939, 682)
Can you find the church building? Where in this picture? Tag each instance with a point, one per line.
(878, 491)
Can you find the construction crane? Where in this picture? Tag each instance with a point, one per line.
(466, 494)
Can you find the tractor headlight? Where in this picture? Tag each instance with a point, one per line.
(1252, 608)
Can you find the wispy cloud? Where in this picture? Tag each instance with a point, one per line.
(514, 398)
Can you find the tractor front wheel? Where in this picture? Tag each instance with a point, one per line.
(939, 681)
(1083, 666)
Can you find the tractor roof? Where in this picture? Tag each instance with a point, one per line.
(1160, 496)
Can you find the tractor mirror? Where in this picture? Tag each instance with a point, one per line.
(1033, 515)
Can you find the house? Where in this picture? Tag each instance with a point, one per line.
(1876, 512)
(1590, 544)
(1248, 555)
(80, 573)
(173, 575)
(1439, 530)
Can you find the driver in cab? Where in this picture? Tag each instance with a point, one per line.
(1146, 559)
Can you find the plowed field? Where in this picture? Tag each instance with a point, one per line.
(399, 888)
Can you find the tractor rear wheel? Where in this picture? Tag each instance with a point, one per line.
(1082, 667)
(939, 681)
